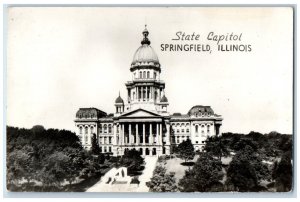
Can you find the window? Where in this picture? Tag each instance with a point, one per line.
(182, 130)
(178, 130)
(187, 130)
(105, 128)
(86, 130)
(148, 75)
(86, 139)
(80, 130)
(177, 139)
(101, 149)
(100, 127)
(154, 75)
(109, 149)
(196, 128)
(117, 129)
(109, 139)
(92, 129)
(104, 149)
(144, 74)
(140, 75)
(109, 128)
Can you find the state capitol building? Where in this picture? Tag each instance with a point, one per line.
(143, 121)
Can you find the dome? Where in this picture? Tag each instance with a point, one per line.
(119, 100)
(145, 53)
(164, 99)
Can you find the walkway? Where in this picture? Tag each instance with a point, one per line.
(101, 186)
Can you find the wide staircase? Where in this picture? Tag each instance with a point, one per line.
(102, 186)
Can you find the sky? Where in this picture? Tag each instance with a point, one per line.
(61, 59)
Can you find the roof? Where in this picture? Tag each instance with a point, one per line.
(199, 109)
(90, 113)
(119, 100)
(164, 99)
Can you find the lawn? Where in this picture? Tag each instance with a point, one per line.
(174, 165)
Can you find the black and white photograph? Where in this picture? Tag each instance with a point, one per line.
(149, 99)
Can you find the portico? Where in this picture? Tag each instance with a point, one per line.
(142, 130)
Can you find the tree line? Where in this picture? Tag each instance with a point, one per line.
(255, 158)
(51, 158)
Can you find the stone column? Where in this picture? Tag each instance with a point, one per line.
(130, 138)
(143, 134)
(168, 136)
(136, 133)
(160, 134)
(123, 134)
(150, 135)
(157, 138)
(115, 135)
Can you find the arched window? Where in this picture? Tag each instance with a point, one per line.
(117, 129)
(92, 129)
(80, 130)
(141, 75)
(100, 127)
(187, 130)
(86, 139)
(196, 128)
(144, 75)
(154, 75)
(105, 128)
(148, 75)
(182, 130)
(86, 130)
(109, 128)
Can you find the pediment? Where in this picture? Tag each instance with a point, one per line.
(139, 113)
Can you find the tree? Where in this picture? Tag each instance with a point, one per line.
(283, 173)
(216, 146)
(95, 145)
(186, 150)
(132, 159)
(204, 176)
(161, 181)
(246, 170)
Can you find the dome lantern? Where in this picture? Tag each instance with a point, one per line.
(145, 39)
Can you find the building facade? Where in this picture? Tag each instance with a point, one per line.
(143, 121)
